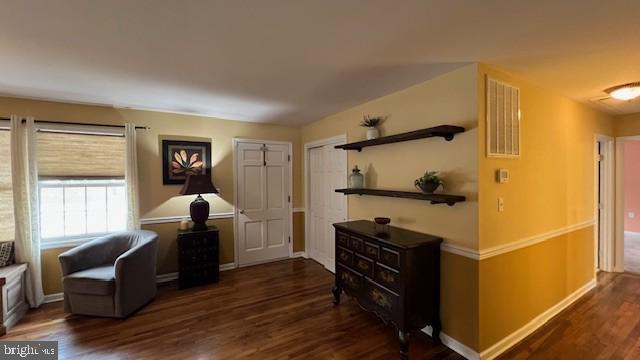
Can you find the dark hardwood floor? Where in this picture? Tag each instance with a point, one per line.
(603, 324)
(281, 310)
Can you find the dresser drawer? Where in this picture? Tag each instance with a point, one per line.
(344, 256)
(342, 239)
(356, 244)
(363, 265)
(390, 257)
(382, 298)
(387, 277)
(372, 250)
(350, 280)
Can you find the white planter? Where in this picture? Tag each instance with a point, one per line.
(372, 133)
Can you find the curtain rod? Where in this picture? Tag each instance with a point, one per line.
(75, 123)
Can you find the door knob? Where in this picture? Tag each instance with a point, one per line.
(241, 211)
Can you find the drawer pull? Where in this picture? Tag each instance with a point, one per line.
(344, 256)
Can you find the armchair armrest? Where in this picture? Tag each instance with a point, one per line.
(135, 273)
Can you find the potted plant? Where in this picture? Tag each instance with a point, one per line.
(371, 123)
(429, 182)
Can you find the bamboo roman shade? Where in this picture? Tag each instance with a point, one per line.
(7, 222)
(63, 155)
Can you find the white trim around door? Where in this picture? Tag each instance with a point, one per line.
(235, 143)
(604, 200)
(336, 140)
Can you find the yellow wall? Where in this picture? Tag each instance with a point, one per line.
(447, 99)
(156, 199)
(551, 187)
(627, 125)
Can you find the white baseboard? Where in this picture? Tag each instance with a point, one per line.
(165, 278)
(298, 254)
(53, 297)
(455, 345)
(507, 342)
(227, 266)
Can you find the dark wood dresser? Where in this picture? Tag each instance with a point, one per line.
(392, 272)
(198, 257)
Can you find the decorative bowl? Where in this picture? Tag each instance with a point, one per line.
(382, 220)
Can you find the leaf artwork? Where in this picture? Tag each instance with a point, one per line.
(180, 165)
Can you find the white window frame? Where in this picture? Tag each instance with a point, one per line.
(71, 240)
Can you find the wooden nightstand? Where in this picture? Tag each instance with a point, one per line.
(198, 257)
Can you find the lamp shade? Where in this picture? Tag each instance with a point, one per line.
(198, 184)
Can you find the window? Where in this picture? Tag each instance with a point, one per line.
(7, 222)
(71, 209)
(82, 187)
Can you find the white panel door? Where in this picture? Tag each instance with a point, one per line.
(327, 172)
(335, 205)
(263, 209)
(317, 213)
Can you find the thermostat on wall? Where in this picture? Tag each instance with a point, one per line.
(502, 176)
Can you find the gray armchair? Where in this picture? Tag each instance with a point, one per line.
(111, 276)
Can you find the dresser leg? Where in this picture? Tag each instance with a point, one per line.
(337, 291)
(435, 331)
(403, 336)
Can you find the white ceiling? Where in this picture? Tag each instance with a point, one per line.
(295, 61)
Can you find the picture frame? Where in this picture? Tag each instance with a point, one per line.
(180, 158)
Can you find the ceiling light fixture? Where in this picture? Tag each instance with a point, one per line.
(625, 92)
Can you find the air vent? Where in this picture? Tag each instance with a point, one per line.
(503, 119)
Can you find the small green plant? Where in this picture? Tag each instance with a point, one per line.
(429, 182)
(372, 121)
(431, 177)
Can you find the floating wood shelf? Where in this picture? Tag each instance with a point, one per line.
(434, 198)
(445, 131)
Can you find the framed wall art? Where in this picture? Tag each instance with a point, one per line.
(182, 158)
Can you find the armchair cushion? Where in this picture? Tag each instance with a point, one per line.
(96, 281)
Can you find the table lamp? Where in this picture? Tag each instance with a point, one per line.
(199, 209)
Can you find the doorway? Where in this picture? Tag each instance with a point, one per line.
(262, 192)
(325, 171)
(631, 204)
(604, 210)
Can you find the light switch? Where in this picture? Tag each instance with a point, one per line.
(502, 176)
(500, 204)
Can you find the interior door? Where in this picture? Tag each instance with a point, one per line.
(317, 228)
(335, 206)
(327, 172)
(263, 208)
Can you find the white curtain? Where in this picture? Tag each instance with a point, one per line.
(24, 172)
(131, 177)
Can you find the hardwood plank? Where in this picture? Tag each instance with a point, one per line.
(281, 310)
(603, 324)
